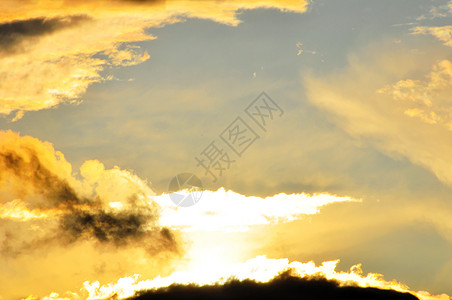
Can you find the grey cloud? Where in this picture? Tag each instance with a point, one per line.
(13, 33)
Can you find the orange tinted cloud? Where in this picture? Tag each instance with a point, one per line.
(427, 99)
(48, 47)
(442, 33)
(107, 206)
(43, 203)
(396, 99)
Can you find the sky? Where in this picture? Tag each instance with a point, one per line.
(347, 112)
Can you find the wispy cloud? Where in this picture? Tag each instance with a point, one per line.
(442, 33)
(427, 99)
(368, 105)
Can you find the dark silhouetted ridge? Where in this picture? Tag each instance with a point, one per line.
(284, 286)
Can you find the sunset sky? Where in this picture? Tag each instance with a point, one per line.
(103, 102)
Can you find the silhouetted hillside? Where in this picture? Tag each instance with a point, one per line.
(284, 286)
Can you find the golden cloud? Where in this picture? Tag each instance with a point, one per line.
(365, 102)
(427, 99)
(109, 207)
(442, 33)
(48, 47)
(260, 269)
(44, 205)
(397, 100)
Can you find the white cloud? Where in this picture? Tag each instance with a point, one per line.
(223, 210)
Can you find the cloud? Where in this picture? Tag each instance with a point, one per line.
(396, 100)
(258, 274)
(373, 101)
(100, 208)
(429, 100)
(442, 33)
(54, 49)
(46, 207)
(223, 210)
(108, 206)
(99, 218)
(13, 33)
(300, 50)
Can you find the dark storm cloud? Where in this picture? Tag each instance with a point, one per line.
(12, 33)
(79, 218)
(285, 286)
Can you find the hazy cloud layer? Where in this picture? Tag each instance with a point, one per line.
(381, 111)
(429, 99)
(402, 108)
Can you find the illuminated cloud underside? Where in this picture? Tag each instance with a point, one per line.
(260, 269)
